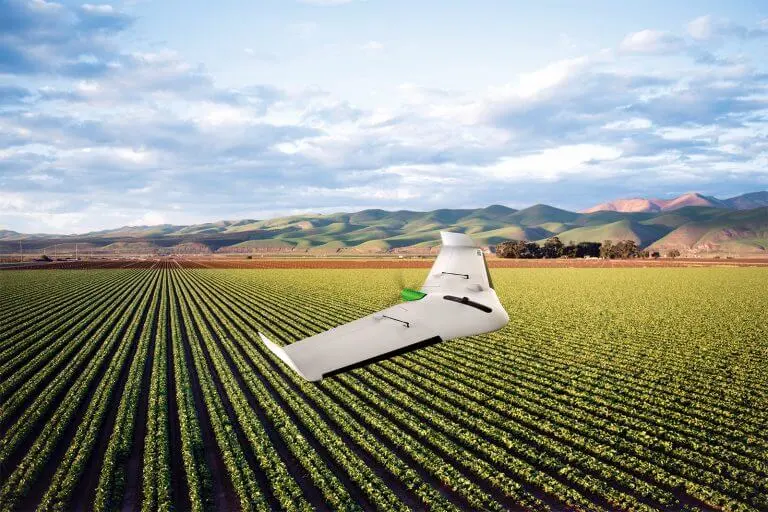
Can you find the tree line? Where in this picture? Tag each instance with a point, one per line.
(554, 248)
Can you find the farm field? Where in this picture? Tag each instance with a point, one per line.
(610, 389)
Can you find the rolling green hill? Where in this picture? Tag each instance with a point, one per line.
(690, 229)
(641, 234)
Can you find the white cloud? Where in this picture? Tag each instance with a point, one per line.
(535, 82)
(148, 219)
(105, 158)
(372, 46)
(701, 28)
(391, 194)
(636, 123)
(687, 133)
(707, 28)
(89, 87)
(10, 201)
(44, 179)
(42, 213)
(43, 5)
(215, 115)
(304, 29)
(98, 8)
(554, 163)
(651, 42)
(549, 164)
(260, 55)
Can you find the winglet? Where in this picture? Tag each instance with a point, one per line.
(280, 353)
(456, 239)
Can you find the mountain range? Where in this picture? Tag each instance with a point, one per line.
(639, 204)
(692, 223)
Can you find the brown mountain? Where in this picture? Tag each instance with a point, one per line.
(638, 204)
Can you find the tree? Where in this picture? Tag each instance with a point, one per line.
(673, 253)
(510, 249)
(518, 249)
(552, 248)
(530, 250)
(655, 255)
(622, 249)
(588, 249)
(626, 249)
(606, 250)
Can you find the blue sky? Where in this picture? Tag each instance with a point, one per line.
(146, 112)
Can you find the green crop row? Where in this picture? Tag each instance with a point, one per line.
(156, 472)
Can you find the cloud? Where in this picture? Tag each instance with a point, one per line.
(10, 94)
(635, 123)
(39, 36)
(552, 163)
(148, 219)
(651, 42)
(372, 46)
(536, 82)
(260, 55)
(303, 29)
(707, 28)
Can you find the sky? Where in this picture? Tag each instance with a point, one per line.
(148, 112)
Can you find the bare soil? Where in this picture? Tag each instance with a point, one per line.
(379, 262)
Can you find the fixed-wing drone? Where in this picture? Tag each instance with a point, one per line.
(457, 299)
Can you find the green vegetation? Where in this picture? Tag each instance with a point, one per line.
(554, 248)
(640, 234)
(610, 389)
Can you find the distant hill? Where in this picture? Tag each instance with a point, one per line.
(748, 201)
(741, 232)
(712, 228)
(8, 234)
(638, 204)
(626, 229)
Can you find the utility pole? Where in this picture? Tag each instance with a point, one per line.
(21, 252)
(75, 251)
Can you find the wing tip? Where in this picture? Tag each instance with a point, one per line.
(282, 355)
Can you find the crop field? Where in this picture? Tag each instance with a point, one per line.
(610, 389)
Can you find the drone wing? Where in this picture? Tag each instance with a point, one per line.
(390, 332)
(360, 342)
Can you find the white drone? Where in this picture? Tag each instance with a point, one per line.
(457, 299)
